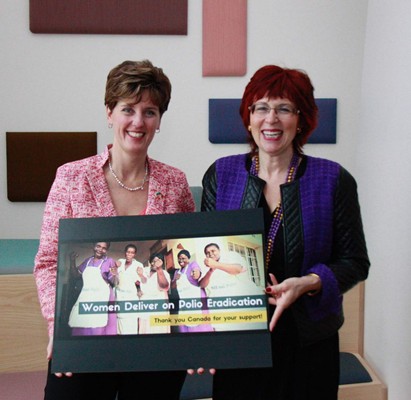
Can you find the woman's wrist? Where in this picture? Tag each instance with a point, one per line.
(315, 285)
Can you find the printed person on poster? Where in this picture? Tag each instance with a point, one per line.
(130, 275)
(227, 276)
(99, 277)
(187, 283)
(155, 287)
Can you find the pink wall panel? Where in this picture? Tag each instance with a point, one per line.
(224, 37)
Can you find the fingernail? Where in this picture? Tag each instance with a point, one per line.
(268, 290)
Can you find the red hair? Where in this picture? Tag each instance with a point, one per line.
(272, 81)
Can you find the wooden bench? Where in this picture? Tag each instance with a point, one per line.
(352, 343)
(23, 339)
(23, 333)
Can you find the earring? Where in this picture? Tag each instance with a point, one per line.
(110, 125)
(298, 130)
(158, 130)
(249, 128)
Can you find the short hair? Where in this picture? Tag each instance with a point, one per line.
(211, 244)
(130, 246)
(131, 79)
(292, 84)
(102, 241)
(158, 255)
(185, 252)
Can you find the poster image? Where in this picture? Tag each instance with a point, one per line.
(159, 290)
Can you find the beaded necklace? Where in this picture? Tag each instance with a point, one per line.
(278, 212)
(130, 189)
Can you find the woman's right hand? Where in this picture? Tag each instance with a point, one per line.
(49, 355)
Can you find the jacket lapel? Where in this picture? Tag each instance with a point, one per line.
(99, 187)
(156, 191)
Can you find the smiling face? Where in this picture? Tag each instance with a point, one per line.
(183, 260)
(134, 124)
(212, 252)
(274, 131)
(100, 249)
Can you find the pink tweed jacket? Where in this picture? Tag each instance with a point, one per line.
(80, 191)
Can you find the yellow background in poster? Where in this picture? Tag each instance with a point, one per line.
(211, 318)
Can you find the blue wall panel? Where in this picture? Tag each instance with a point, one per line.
(226, 126)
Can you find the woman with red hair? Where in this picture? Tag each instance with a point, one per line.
(315, 245)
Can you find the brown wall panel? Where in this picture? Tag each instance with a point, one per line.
(33, 158)
(154, 17)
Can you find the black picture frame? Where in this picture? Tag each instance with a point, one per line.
(247, 347)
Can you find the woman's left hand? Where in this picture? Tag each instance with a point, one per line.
(195, 274)
(200, 371)
(49, 356)
(283, 294)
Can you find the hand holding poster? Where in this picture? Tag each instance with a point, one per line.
(161, 292)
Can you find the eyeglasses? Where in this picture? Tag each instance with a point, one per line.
(283, 111)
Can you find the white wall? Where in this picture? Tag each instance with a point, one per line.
(56, 82)
(383, 169)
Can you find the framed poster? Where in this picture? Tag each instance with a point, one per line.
(161, 292)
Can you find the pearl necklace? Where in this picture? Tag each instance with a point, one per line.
(141, 187)
(278, 212)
